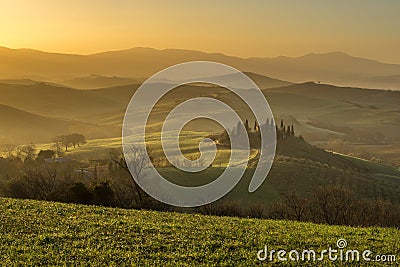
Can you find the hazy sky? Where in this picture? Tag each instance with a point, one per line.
(243, 28)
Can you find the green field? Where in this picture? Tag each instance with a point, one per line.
(34, 233)
(298, 166)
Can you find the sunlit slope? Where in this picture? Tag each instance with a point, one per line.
(319, 112)
(36, 233)
(301, 167)
(298, 166)
(358, 114)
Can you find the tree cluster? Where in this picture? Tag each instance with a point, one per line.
(284, 131)
(68, 140)
(336, 205)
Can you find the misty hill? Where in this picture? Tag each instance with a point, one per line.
(123, 93)
(97, 81)
(23, 127)
(366, 118)
(264, 82)
(28, 82)
(383, 81)
(61, 102)
(19, 81)
(326, 111)
(319, 111)
(337, 68)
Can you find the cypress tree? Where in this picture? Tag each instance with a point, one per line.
(278, 135)
(238, 128)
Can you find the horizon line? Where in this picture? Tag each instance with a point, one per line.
(194, 50)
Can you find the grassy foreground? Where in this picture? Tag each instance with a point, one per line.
(43, 233)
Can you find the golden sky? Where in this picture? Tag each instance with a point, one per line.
(362, 28)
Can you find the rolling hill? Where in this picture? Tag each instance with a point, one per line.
(22, 127)
(337, 68)
(365, 118)
(298, 166)
(359, 114)
(301, 167)
(56, 101)
(97, 81)
(38, 232)
(319, 111)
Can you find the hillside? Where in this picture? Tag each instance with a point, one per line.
(319, 111)
(25, 127)
(365, 118)
(43, 233)
(55, 101)
(266, 82)
(337, 68)
(298, 166)
(26, 82)
(97, 81)
(301, 167)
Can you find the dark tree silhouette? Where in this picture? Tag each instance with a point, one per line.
(70, 139)
(288, 131)
(46, 154)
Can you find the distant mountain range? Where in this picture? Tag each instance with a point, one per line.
(137, 63)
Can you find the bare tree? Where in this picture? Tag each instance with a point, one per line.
(41, 181)
(27, 151)
(8, 150)
(57, 146)
(333, 204)
(64, 140)
(292, 207)
(298, 205)
(139, 161)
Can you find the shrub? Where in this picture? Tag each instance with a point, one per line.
(79, 193)
(103, 194)
(223, 208)
(256, 210)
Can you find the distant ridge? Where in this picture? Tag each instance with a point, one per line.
(336, 67)
(94, 81)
